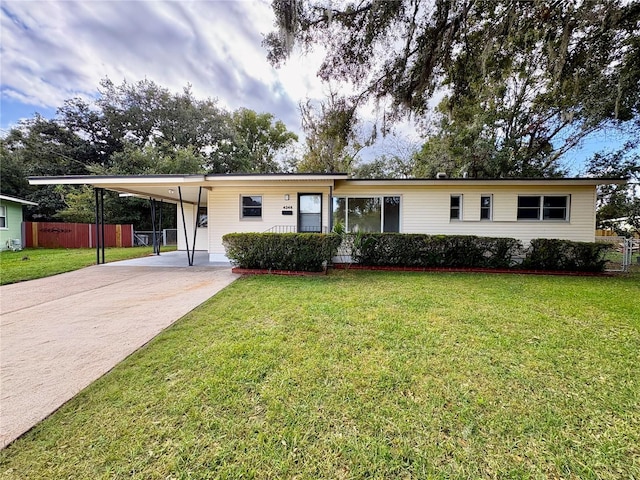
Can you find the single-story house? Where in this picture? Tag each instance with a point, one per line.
(209, 206)
(11, 234)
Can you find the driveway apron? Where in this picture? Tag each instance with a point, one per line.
(59, 334)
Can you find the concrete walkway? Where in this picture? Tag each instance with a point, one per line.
(173, 258)
(59, 334)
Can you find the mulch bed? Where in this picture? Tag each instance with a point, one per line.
(267, 271)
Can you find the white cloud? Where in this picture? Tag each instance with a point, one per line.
(58, 49)
(54, 50)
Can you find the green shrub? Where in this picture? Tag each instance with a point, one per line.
(565, 255)
(281, 251)
(448, 251)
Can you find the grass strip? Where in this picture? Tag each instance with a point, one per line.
(32, 263)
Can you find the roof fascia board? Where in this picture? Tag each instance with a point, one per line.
(7, 198)
(204, 180)
(289, 178)
(273, 184)
(481, 182)
(107, 181)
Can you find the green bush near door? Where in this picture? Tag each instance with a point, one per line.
(310, 252)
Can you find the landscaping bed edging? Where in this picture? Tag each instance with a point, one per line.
(268, 271)
(346, 266)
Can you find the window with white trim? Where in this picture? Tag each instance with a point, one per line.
(455, 207)
(3, 217)
(251, 206)
(486, 207)
(543, 207)
(367, 214)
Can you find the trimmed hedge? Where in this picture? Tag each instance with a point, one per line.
(419, 250)
(564, 255)
(468, 251)
(309, 252)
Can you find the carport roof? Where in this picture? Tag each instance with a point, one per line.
(169, 187)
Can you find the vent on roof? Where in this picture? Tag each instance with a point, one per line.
(440, 175)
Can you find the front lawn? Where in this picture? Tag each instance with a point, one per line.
(34, 263)
(367, 375)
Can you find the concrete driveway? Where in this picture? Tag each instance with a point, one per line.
(59, 334)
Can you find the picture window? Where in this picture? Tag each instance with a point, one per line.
(367, 214)
(543, 207)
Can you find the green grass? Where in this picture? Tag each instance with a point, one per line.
(367, 375)
(34, 263)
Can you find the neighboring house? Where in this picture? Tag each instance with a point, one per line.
(520, 208)
(11, 235)
(622, 224)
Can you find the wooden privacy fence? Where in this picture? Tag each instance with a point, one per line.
(75, 235)
(611, 233)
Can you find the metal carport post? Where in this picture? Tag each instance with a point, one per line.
(190, 253)
(156, 222)
(99, 193)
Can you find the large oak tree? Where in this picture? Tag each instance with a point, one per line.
(521, 82)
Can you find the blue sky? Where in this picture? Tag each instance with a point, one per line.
(55, 50)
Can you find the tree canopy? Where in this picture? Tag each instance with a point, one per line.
(134, 128)
(521, 82)
(255, 141)
(618, 204)
(333, 137)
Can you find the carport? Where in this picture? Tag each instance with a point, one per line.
(188, 192)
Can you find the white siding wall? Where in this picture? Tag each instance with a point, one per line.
(425, 209)
(225, 211)
(190, 216)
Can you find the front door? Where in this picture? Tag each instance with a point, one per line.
(310, 212)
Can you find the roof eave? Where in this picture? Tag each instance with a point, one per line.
(494, 181)
(108, 180)
(8, 198)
